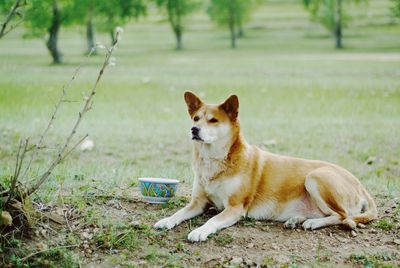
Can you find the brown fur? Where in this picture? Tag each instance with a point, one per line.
(267, 178)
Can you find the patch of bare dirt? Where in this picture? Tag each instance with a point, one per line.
(250, 243)
(100, 241)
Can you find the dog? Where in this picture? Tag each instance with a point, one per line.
(243, 180)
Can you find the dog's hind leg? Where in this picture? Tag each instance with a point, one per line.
(333, 193)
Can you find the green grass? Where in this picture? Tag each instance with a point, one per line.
(316, 102)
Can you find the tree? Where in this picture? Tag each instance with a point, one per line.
(47, 16)
(117, 13)
(231, 14)
(176, 11)
(84, 12)
(331, 15)
(396, 8)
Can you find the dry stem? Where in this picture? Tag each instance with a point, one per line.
(86, 107)
(13, 12)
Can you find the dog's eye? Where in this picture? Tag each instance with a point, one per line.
(196, 118)
(213, 120)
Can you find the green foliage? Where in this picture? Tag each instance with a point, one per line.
(396, 8)
(325, 12)
(381, 259)
(176, 11)
(384, 224)
(39, 15)
(223, 239)
(223, 11)
(111, 14)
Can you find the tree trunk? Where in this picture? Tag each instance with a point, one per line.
(174, 17)
(89, 30)
(178, 35)
(338, 24)
(240, 33)
(53, 34)
(232, 23)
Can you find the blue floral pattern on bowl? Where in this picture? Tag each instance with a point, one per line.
(158, 190)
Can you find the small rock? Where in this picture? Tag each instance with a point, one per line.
(85, 246)
(250, 245)
(397, 241)
(353, 233)
(89, 251)
(86, 235)
(146, 80)
(236, 260)
(42, 246)
(330, 234)
(274, 246)
(249, 263)
(134, 223)
(43, 232)
(6, 218)
(362, 226)
(87, 145)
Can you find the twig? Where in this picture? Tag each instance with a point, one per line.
(18, 165)
(86, 107)
(66, 219)
(53, 116)
(45, 250)
(13, 12)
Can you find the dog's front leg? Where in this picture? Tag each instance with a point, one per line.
(194, 208)
(226, 218)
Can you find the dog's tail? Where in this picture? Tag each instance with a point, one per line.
(368, 213)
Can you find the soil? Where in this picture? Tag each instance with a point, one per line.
(250, 243)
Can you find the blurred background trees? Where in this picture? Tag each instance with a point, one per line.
(115, 13)
(330, 14)
(176, 11)
(396, 8)
(45, 18)
(231, 14)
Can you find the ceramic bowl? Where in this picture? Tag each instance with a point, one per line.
(157, 190)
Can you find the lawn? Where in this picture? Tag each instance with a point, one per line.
(298, 96)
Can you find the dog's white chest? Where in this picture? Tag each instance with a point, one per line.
(219, 191)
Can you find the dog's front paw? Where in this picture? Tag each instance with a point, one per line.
(312, 224)
(200, 234)
(167, 223)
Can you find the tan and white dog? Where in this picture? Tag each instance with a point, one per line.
(243, 180)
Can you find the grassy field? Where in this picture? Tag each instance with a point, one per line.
(294, 88)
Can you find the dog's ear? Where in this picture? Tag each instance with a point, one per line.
(231, 107)
(193, 102)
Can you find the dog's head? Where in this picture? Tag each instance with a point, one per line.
(212, 122)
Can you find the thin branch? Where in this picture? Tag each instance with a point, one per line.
(53, 116)
(13, 12)
(86, 107)
(18, 165)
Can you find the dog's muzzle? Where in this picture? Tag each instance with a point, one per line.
(195, 134)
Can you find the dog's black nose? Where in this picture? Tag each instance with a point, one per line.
(195, 131)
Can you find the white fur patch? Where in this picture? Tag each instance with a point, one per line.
(292, 209)
(264, 211)
(221, 190)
